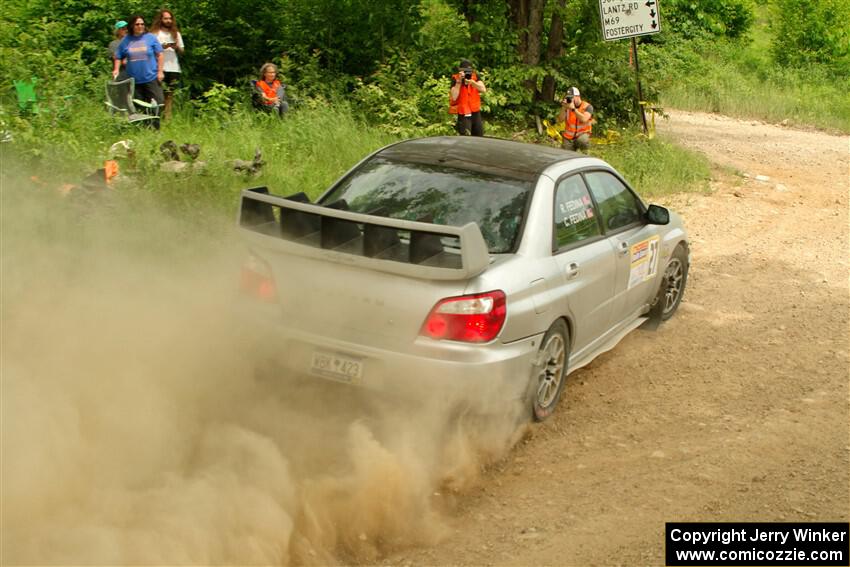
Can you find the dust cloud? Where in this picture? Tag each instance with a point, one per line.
(134, 429)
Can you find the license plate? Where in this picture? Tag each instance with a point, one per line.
(337, 367)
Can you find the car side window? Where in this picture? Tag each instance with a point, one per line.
(618, 206)
(575, 217)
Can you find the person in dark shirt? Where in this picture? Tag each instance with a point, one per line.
(120, 30)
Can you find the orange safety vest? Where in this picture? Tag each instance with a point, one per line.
(572, 128)
(468, 99)
(269, 90)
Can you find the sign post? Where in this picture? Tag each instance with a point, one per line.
(628, 19)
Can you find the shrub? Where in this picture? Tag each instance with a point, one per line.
(812, 31)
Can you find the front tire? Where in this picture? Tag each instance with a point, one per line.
(672, 284)
(550, 370)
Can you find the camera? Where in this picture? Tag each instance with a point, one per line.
(467, 74)
(568, 99)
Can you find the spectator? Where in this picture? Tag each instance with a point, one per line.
(577, 118)
(165, 29)
(144, 59)
(269, 93)
(120, 30)
(465, 100)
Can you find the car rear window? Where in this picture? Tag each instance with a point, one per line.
(437, 194)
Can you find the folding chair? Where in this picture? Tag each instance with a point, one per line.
(27, 100)
(120, 100)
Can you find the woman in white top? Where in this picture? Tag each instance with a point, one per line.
(168, 33)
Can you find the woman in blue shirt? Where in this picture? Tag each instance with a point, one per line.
(143, 53)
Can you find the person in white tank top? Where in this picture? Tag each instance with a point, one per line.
(168, 33)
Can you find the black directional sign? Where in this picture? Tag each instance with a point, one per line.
(622, 19)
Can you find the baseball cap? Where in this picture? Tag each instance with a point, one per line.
(465, 64)
(120, 24)
(572, 91)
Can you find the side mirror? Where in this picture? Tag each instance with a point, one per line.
(657, 215)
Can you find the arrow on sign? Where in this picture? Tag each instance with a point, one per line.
(652, 13)
(649, 3)
(654, 25)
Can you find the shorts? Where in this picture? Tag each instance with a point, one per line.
(171, 80)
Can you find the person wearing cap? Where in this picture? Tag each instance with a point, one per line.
(465, 100)
(577, 118)
(120, 30)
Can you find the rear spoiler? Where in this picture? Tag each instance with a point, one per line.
(409, 248)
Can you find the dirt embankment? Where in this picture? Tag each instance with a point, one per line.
(735, 410)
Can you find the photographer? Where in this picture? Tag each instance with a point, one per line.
(465, 100)
(577, 117)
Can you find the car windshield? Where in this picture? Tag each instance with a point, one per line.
(437, 194)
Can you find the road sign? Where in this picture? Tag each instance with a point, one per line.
(622, 19)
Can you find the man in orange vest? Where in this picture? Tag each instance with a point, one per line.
(577, 117)
(465, 100)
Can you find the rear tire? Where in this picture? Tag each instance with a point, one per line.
(550, 370)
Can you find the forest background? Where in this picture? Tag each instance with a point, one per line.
(363, 73)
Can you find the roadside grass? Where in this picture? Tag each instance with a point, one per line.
(306, 151)
(657, 167)
(739, 79)
(802, 98)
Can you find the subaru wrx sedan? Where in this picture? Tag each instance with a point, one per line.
(474, 269)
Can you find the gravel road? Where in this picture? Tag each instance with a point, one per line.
(735, 410)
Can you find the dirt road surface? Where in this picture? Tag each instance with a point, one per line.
(735, 410)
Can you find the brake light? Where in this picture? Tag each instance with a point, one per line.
(474, 318)
(257, 280)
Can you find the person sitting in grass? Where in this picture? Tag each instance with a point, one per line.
(269, 93)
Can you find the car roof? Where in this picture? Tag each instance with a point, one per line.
(507, 158)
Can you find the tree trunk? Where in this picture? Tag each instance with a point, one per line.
(468, 11)
(519, 16)
(535, 30)
(527, 18)
(554, 49)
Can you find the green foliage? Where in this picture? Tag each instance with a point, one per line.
(691, 18)
(218, 100)
(492, 42)
(422, 111)
(442, 39)
(735, 78)
(812, 31)
(390, 63)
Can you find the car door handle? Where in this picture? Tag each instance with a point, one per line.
(572, 271)
(624, 248)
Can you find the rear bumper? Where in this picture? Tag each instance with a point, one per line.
(484, 376)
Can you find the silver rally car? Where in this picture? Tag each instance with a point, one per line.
(473, 269)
